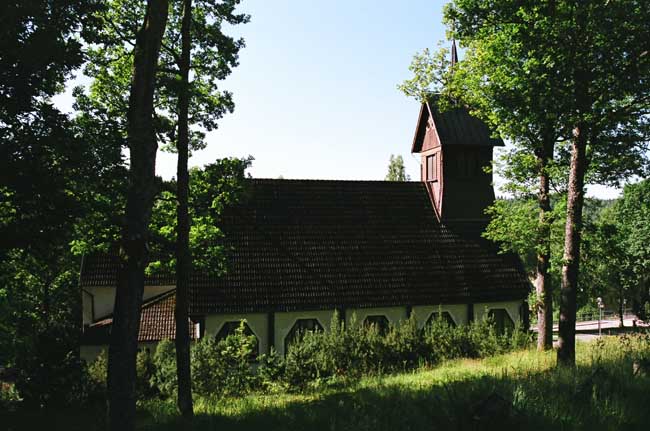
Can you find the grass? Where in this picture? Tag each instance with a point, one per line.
(520, 390)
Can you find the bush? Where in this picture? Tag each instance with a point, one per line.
(344, 352)
(163, 377)
(224, 368)
(50, 371)
(96, 373)
(95, 378)
(145, 371)
(270, 370)
(357, 350)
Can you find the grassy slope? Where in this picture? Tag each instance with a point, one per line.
(518, 390)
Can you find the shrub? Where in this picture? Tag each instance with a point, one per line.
(95, 378)
(305, 361)
(163, 377)
(270, 371)
(94, 381)
(403, 347)
(224, 368)
(145, 372)
(49, 371)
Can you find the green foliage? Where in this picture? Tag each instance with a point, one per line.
(50, 374)
(213, 188)
(147, 379)
(96, 377)
(213, 56)
(509, 391)
(164, 377)
(431, 75)
(270, 370)
(396, 170)
(224, 368)
(315, 359)
(334, 356)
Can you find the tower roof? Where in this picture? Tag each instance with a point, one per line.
(452, 127)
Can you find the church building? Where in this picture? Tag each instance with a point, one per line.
(381, 251)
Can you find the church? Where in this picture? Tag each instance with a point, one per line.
(380, 251)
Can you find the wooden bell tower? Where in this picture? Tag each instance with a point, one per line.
(456, 148)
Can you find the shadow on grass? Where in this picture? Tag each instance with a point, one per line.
(605, 396)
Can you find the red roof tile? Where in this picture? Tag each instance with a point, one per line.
(156, 322)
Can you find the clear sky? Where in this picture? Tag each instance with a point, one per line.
(315, 91)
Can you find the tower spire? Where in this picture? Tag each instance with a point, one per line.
(454, 53)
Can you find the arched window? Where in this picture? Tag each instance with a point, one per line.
(443, 317)
(501, 320)
(300, 327)
(378, 321)
(229, 328)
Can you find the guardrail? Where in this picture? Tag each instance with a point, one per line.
(593, 315)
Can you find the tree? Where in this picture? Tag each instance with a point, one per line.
(195, 46)
(213, 53)
(183, 258)
(601, 101)
(53, 182)
(631, 214)
(396, 170)
(142, 190)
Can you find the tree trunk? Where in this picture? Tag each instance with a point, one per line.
(140, 196)
(621, 306)
(183, 258)
(543, 286)
(573, 230)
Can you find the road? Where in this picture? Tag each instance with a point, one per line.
(588, 331)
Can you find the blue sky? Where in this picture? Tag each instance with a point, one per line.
(316, 90)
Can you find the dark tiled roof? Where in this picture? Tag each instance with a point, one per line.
(156, 322)
(302, 244)
(102, 270)
(454, 127)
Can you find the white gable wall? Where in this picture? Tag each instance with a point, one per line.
(102, 300)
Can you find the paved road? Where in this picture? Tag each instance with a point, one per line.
(588, 331)
(592, 325)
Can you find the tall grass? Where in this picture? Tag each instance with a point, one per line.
(518, 390)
